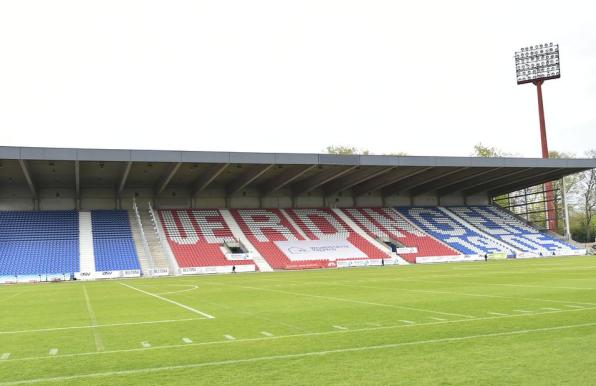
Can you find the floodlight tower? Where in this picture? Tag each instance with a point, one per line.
(535, 64)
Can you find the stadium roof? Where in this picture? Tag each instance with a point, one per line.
(269, 172)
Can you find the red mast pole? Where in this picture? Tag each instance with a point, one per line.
(550, 197)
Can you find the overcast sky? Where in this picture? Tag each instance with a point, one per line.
(422, 77)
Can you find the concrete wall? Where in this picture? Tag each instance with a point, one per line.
(20, 198)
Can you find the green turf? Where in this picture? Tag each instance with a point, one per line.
(498, 323)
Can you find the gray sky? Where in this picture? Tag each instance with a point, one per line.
(423, 77)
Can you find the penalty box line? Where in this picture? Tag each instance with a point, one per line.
(299, 355)
(171, 301)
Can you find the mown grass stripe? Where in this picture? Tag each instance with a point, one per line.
(296, 355)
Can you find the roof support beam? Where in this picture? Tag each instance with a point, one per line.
(383, 181)
(248, 178)
(207, 178)
(284, 179)
(354, 179)
(77, 184)
(318, 180)
(416, 181)
(124, 177)
(475, 181)
(523, 183)
(163, 183)
(482, 187)
(438, 186)
(25, 169)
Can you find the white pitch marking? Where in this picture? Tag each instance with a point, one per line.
(229, 337)
(171, 301)
(407, 321)
(5, 356)
(525, 311)
(266, 333)
(100, 325)
(53, 351)
(187, 340)
(439, 319)
(497, 313)
(98, 341)
(298, 355)
(340, 327)
(146, 344)
(572, 306)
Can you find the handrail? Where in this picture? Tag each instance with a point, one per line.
(143, 237)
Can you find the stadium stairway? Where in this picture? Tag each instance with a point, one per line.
(144, 256)
(261, 263)
(156, 247)
(345, 218)
(87, 255)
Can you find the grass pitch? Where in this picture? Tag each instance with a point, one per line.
(504, 322)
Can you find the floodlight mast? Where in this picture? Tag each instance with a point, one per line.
(535, 64)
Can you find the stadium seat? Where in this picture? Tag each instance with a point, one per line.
(385, 223)
(113, 245)
(197, 237)
(323, 223)
(453, 231)
(38, 243)
(510, 230)
(263, 227)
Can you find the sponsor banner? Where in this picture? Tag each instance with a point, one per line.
(313, 265)
(107, 274)
(526, 255)
(131, 273)
(84, 275)
(160, 272)
(404, 250)
(217, 269)
(571, 252)
(497, 256)
(365, 262)
(448, 259)
(301, 250)
(237, 256)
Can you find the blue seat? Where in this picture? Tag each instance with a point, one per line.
(39, 243)
(113, 245)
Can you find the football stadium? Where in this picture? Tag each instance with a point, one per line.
(324, 262)
(167, 215)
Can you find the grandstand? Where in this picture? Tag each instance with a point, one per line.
(89, 213)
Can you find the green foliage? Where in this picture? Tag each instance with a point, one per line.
(485, 151)
(350, 150)
(345, 150)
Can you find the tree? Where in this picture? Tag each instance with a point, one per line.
(587, 195)
(485, 151)
(345, 150)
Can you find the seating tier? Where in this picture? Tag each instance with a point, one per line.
(197, 237)
(386, 223)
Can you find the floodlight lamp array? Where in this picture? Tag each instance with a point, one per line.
(539, 62)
